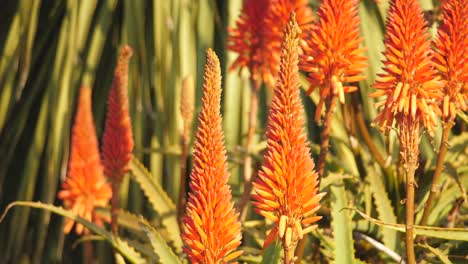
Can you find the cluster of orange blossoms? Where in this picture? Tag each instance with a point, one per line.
(451, 57)
(212, 231)
(258, 35)
(286, 189)
(85, 186)
(410, 82)
(333, 56)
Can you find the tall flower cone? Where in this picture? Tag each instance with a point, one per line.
(85, 186)
(412, 89)
(451, 60)
(333, 61)
(117, 140)
(212, 231)
(286, 189)
(257, 39)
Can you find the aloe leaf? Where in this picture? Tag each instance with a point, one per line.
(159, 200)
(342, 226)
(439, 254)
(120, 245)
(160, 247)
(384, 209)
(428, 231)
(272, 253)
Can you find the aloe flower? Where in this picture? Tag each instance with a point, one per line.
(286, 189)
(258, 35)
(117, 140)
(412, 89)
(333, 59)
(85, 186)
(212, 231)
(451, 57)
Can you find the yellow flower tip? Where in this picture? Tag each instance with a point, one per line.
(215, 240)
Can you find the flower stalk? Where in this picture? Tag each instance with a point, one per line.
(211, 230)
(117, 139)
(412, 89)
(451, 46)
(286, 189)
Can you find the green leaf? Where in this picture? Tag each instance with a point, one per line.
(160, 247)
(342, 226)
(438, 232)
(120, 245)
(159, 200)
(272, 253)
(384, 209)
(442, 257)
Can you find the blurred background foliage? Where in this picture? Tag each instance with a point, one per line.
(50, 48)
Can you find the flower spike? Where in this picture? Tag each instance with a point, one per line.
(410, 82)
(258, 35)
(117, 140)
(212, 231)
(286, 189)
(333, 56)
(85, 186)
(451, 57)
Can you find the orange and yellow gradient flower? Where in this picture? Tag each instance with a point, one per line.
(451, 57)
(410, 83)
(333, 58)
(212, 231)
(286, 189)
(85, 186)
(258, 35)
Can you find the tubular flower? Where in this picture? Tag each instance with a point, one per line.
(287, 185)
(334, 56)
(117, 140)
(85, 186)
(409, 82)
(450, 57)
(212, 231)
(258, 35)
(334, 47)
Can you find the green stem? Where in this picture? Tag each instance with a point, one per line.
(410, 213)
(438, 172)
(409, 136)
(331, 105)
(241, 206)
(115, 206)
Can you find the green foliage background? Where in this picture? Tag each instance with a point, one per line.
(50, 48)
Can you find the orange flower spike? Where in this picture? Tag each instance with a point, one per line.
(212, 231)
(409, 82)
(117, 140)
(333, 56)
(286, 189)
(451, 60)
(258, 35)
(85, 186)
(248, 39)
